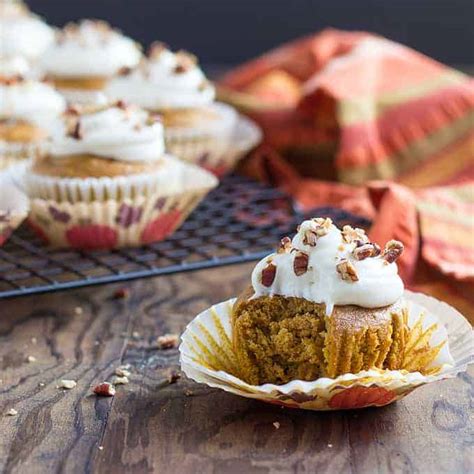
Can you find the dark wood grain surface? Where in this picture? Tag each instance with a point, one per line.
(154, 426)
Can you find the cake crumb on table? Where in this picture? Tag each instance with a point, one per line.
(168, 341)
(67, 384)
(11, 412)
(276, 424)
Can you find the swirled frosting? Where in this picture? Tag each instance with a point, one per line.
(90, 48)
(164, 80)
(21, 32)
(30, 101)
(116, 132)
(328, 266)
(12, 66)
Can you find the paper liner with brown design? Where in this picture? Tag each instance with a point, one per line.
(206, 356)
(132, 221)
(215, 147)
(13, 206)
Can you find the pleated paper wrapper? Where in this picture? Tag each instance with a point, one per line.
(216, 147)
(13, 206)
(207, 357)
(106, 213)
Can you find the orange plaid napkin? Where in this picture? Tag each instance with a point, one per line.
(372, 109)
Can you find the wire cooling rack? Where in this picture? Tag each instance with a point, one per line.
(240, 221)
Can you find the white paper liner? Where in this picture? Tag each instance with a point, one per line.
(14, 206)
(132, 219)
(167, 180)
(219, 144)
(367, 388)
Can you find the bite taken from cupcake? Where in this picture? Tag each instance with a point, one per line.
(324, 314)
(197, 129)
(106, 181)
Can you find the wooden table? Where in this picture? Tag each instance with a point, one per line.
(182, 427)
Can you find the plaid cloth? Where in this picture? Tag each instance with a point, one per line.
(401, 127)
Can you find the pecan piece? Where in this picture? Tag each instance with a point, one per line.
(347, 271)
(323, 225)
(285, 245)
(268, 274)
(104, 389)
(349, 234)
(300, 263)
(310, 238)
(393, 249)
(365, 251)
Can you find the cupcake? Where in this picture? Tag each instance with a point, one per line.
(23, 37)
(326, 324)
(197, 129)
(27, 110)
(106, 181)
(85, 56)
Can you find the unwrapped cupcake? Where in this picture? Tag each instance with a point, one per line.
(85, 56)
(106, 181)
(23, 38)
(326, 324)
(197, 129)
(27, 110)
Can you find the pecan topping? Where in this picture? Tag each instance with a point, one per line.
(285, 245)
(300, 263)
(121, 104)
(365, 251)
(393, 249)
(310, 238)
(104, 389)
(185, 62)
(74, 130)
(125, 71)
(268, 274)
(349, 234)
(156, 48)
(323, 225)
(347, 271)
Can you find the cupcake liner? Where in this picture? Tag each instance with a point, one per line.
(207, 357)
(13, 206)
(165, 180)
(139, 218)
(217, 146)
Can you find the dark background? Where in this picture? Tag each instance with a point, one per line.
(230, 31)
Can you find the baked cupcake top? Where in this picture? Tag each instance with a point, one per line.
(117, 132)
(91, 48)
(21, 32)
(29, 101)
(328, 266)
(164, 80)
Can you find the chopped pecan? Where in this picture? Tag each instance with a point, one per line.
(185, 62)
(104, 389)
(365, 251)
(323, 225)
(125, 71)
(156, 48)
(310, 238)
(168, 341)
(349, 234)
(285, 245)
(300, 263)
(268, 274)
(393, 249)
(347, 271)
(75, 131)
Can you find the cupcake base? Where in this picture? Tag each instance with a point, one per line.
(206, 355)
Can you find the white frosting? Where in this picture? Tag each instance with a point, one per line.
(11, 66)
(21, 33)
(90, 49)
(158, 83)
(31, 101)
(115, 132)
(378, 282)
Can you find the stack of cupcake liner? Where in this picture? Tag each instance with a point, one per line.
(207, 356)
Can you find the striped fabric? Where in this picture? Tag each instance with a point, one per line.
(389, 114)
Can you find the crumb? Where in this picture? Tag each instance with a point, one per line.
(168, 341)
(78, 310)
(104, 389)
(189, 393)
(41, 384)
(135, 334)
(121, 381)
(67, 384)
(11, 412)
(122, 293)
(173, 376)
(276, 424)
(329, 445)
(31, 359)
(101, 448)
(34, 340)
(123, 371)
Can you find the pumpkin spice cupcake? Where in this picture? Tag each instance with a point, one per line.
(106, 181)
(197, 129)
(27, 110)
(327, 324)
(85, 56)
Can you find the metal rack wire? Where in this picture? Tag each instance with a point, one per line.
(240, 221)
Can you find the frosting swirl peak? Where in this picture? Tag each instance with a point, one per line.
(328, 266)
(117, 131)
